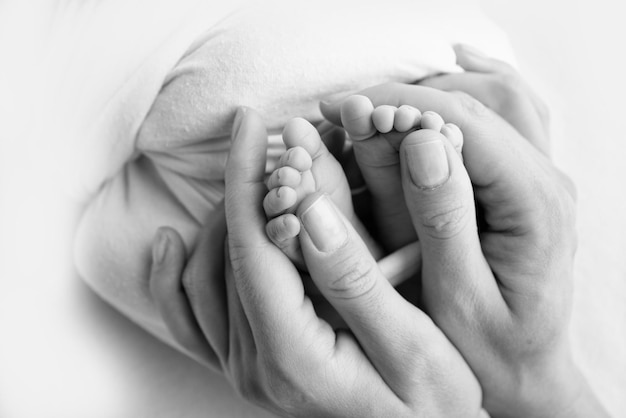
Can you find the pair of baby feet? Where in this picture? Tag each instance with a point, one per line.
(307, 167)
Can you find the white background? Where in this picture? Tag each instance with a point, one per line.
(63, 353)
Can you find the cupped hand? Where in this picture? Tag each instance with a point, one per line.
(502, 292)
(275, 350)
(498, 86)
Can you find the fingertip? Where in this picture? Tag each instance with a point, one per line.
(471, 58)
(424, 157)
(248, 117)
(322, 222)
(246, 159)
(167, 245)
(331, 110)
(168, 259)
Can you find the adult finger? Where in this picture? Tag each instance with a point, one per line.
(514, 183)
(241, 346)
(472, 59)
(268, 285)
(168, 262)
(203, 282)
(505, 96)
(386, 325)
(498, 85)
(439, 195)
(493, 150)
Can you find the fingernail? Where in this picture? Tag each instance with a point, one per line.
(324, 225)
(159, 249)
(428, 164)
(241, 112)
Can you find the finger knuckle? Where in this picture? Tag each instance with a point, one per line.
(354, 280)
(446, 224)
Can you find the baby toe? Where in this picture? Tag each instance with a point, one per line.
(406, 118)
(284, 176)
(297, 158)
(356, 117)
(454, 135)
(282, 228)
(431, 120)
(299, 132)
(382, 117)
(278, 200)
(283, 232)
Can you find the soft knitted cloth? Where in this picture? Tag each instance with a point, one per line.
(153, 143)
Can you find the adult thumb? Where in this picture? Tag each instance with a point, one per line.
(439, 195)
(385, 324)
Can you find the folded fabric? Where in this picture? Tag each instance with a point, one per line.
(280, 57)
(153, 136)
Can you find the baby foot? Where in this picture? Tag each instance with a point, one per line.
(377, 134)
(306, 167)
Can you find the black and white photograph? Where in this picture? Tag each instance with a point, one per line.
(281, 208)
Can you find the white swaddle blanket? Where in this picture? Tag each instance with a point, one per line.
(280, 58)
(154, 139)
(161, 102)
(109, 131)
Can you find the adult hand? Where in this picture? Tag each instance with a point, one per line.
(498, 86)
(277, 352)
(502, 294)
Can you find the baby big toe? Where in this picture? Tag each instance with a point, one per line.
(356, 117)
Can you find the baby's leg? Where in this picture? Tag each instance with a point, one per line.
(377, 133)
(306, 167)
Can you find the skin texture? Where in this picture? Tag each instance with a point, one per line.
(499, 284)
(307, 167)
(276, 351)
(496, 281)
